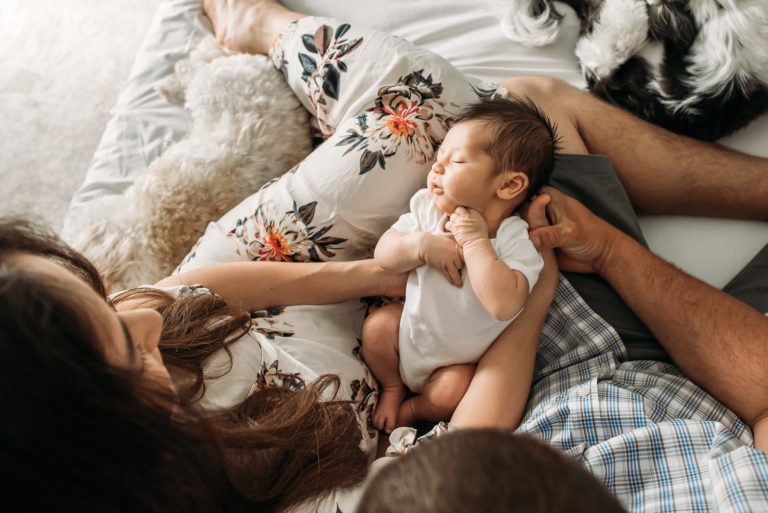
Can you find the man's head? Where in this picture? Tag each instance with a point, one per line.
(489, 471)
(500, 149)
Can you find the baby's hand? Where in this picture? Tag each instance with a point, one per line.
(443, 254)
(467, 226)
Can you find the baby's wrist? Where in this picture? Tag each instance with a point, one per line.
(475, 243)
(423, 242)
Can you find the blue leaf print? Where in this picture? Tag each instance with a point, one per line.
(308, 64)
(331, 82)
(341, 30)
(309, 43)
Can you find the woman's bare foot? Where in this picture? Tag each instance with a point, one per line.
(387, 406)
(248, 26)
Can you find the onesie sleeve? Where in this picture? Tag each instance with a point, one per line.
(516, 250)
(412, 221)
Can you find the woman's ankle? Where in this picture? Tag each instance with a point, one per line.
(248, 26)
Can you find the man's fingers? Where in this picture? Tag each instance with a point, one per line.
(536, 214)
(547, 237)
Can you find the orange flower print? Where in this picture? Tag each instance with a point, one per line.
(290, 237)
(274, 247)
(399, 123)
(409, 113)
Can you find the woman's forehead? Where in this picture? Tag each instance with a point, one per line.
(90, 302)
(48, 267)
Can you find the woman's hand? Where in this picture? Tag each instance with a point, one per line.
(392, 283)
(444, 254)
(249, 286)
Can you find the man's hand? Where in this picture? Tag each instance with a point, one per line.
(535, 215)
(443, 254)
(467, 226)
(584, 240)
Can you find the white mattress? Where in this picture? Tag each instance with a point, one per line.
(466, 33)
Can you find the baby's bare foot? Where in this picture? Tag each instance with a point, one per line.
(385, 415)
(248, 26)
(406, 415)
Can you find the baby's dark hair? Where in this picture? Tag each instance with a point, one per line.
(520, 137)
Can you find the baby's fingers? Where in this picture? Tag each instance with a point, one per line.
(453, 274)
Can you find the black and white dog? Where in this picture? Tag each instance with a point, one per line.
(696, 67)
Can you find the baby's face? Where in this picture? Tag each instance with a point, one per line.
(463, 173)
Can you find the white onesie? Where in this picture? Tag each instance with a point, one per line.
(445, 325)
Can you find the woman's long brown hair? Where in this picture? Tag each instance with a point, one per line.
(89, 436)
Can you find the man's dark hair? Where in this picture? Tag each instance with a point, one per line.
(489, 471)
(520, 137)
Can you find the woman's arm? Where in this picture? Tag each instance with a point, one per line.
(400, 252)
(499, 391)
(252, 286)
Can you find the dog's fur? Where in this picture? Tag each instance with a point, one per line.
(697, 67)
(247, 128)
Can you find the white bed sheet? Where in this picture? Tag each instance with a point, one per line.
(467, 34)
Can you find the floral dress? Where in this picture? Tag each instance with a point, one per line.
(289, 348)
(380, 108)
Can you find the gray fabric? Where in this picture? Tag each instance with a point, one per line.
(751, 284)
(592, 180)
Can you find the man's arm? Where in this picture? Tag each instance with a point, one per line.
(499, 391)
(719, 342)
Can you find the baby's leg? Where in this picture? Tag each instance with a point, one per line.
(380, 351)
(441, 395)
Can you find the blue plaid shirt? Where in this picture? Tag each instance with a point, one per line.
(654, 439)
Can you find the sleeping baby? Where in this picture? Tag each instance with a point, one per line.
(471, 262)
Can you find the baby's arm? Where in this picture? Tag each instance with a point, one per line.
(501, 290)
(400, 252)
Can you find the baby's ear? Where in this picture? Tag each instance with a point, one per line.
(512, 185)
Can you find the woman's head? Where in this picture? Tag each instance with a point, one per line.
(67, 281)
(86, 423)
(92, 423)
